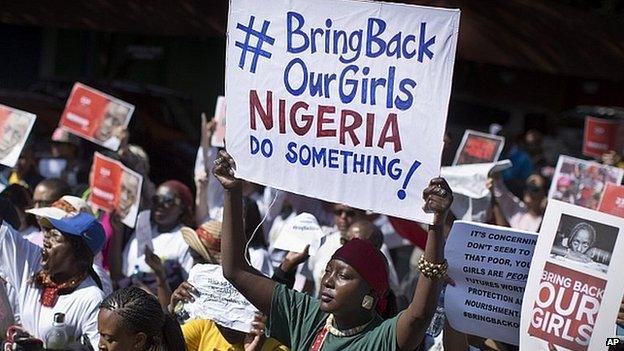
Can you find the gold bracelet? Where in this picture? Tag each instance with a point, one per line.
(432, 270)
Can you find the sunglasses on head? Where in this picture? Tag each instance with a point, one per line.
(348, 213)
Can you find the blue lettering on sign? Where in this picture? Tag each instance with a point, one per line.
(353, 83)
(424, 44)
(297, 31)
(349, 162)
(348, 46)
(304, 77)
(265, 147)
(347, 98)
(372, 37)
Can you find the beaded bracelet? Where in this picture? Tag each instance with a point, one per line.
(432, 270)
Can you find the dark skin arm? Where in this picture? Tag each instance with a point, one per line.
(414, 321)
(116, 247)
(454, 340)
(154, 262)
(499, 217)
(256, 288)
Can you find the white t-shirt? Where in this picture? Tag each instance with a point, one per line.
(167, 246)
(11, 296)
(6, 312)
(19, 261)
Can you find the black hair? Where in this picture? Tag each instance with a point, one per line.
(8, 213)
(19, 196)
(84, 257)
(140, 312)
(58, 187)
(391, 307)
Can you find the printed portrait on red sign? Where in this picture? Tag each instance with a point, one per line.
(478, 147)
(106, 175)
(129, 192)
(83, 111)
(96, 116)
(600, 135)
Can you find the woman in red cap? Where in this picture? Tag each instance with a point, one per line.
(354, 288)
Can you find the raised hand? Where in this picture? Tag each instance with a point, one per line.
(293, 259)
(438, 198)
(223, 170)
(154, 263)
(184, 293)
(254, 340)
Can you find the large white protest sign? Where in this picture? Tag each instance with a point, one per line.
(303, 230)
(15, 126)
(489, 265)
(575, 284)
(347, 105)
(219, 300)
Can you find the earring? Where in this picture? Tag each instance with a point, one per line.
(367, 302)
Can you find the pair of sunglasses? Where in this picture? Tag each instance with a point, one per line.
(165, 201)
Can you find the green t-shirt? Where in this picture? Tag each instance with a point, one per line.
(296, 318)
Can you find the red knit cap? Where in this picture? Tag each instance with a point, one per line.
(371, 264)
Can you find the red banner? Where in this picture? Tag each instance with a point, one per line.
(106, 179)
(600, 136)
(612, 201)
(477, 147)
(566, 308)
(95, 116)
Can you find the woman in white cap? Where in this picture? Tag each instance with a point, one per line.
(63, 207)
(57, 278)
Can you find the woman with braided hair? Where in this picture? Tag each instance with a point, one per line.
(131, 319)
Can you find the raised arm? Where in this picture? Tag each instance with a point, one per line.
(203, 162)
(414, 321)
(256, 288)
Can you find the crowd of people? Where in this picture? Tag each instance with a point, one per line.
(76, 277)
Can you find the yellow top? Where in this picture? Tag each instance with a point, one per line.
(203, 335)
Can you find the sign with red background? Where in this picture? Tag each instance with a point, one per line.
(600, 136)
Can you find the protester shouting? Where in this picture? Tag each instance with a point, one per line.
(354, 285)
(132, 319)
(57, 278)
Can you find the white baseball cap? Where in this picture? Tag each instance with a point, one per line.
(55, 212)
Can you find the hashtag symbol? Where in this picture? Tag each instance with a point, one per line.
(256, 50)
